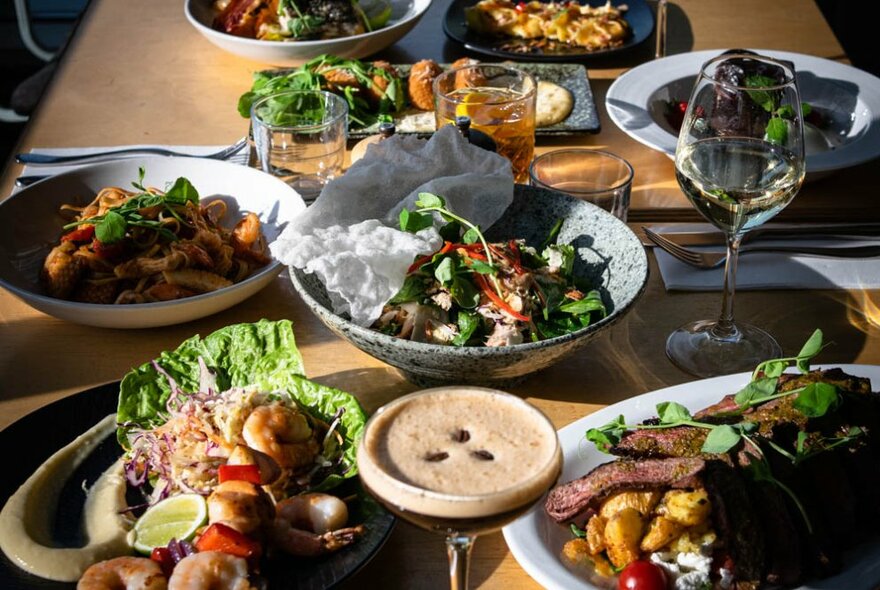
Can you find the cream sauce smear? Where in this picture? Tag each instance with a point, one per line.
(26, 519)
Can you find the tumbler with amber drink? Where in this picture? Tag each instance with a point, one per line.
(499, 101)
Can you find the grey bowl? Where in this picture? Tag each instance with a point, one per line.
(610, 257)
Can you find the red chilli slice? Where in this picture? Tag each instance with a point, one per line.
(493, 296)
(447, 246)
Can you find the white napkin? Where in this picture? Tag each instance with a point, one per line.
(240, 157)
(772, 270)
(349, 236)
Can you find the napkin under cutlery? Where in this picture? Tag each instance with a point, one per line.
(765, 270)
(197, 150)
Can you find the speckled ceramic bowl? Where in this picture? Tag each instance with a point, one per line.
(610, 257)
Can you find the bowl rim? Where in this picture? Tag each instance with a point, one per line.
(416, 11)
(652, 134)
(33, 298)
(489, 351)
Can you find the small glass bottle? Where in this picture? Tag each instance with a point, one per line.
(474, 136)
(386, 130)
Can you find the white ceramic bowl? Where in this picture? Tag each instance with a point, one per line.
(851, 98)
(404, 16)
(30, 226)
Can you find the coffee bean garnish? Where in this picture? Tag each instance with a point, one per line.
(436, 457)
(483, 455)
(461, 436)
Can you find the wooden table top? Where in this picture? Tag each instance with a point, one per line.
(136, 72)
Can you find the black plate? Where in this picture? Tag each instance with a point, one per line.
(639, 17)
(34, 438)
(573, 77)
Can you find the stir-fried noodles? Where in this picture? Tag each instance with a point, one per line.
(147, 245)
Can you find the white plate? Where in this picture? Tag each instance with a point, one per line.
(536, 541)
(404, 16)
(30, 226)
(635, 102)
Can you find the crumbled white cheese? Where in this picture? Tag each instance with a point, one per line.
(689, 571)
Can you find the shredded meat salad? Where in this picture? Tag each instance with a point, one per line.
(471, 292)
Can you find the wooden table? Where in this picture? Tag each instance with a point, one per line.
(136, 72)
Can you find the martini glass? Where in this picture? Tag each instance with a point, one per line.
(459, 461)
(740, 161)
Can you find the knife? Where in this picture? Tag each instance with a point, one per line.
(713, 237)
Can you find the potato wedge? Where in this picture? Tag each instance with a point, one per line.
(596, 534)
(661, 531)
(644, 502)
(622, 535)
(689, 508)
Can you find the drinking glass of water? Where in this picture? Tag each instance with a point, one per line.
(300, 137)
(740, 161)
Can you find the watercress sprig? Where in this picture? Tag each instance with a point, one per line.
(112, 226)
(422, 218)
(777, 127)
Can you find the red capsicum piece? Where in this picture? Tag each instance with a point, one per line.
(249, 473)
(493, 296)
(425, 259)
(220, 537)
(83, 233)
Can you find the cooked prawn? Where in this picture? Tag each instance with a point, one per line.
(123, 573)
(62, 270)
(309, 525)
(283, 433)
(210, 570)
(315, 512)
(242, 506)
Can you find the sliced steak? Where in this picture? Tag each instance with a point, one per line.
(681, 441)
(737, 524)
(576, 498)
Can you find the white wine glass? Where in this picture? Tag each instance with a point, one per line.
(740, 161)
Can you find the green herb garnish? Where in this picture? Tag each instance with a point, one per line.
(114, 225)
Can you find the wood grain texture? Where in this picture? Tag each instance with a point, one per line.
(136, 72)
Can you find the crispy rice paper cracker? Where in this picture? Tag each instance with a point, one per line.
(350, 238)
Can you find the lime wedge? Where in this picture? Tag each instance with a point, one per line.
(176, 517)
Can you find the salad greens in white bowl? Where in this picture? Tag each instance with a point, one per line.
(404, 15)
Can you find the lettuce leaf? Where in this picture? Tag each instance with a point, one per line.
(262, 354)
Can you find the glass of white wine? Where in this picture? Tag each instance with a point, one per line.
(740, 161)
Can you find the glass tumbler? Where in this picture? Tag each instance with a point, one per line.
(499, 101)
(600, 177)
(300, 138)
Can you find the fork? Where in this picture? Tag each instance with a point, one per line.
(48, 160)
(707, 260)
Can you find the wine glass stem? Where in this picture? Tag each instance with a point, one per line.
(458, 548)
(725, 328)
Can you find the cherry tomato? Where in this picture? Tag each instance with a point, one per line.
(642, 575)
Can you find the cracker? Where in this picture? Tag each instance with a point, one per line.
(554, 104)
